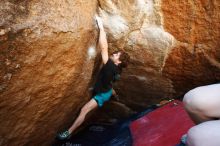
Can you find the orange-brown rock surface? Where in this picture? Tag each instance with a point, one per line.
(174, 46)
(48, 58)
(195, 59)
(45, 67)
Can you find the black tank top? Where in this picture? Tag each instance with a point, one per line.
(106, 77)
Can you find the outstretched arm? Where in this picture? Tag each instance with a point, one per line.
(102, 40)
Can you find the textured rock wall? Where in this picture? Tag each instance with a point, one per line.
(45, 67)
(48, 58)
(174, 46)
(194, 61)
(137, 27)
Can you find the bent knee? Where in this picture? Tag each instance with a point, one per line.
(84, 110)
(195, 136)
(201, 99)
(204, 134)
(191, 99)
(89, 106)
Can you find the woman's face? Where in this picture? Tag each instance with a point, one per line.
(115, 57)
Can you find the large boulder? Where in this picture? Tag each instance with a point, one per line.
(174, 46)
(47, 51)
(49, 59)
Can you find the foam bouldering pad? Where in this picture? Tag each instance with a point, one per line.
(161, 127)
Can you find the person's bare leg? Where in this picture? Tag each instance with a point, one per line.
(92, 104)
(205, 134)
(202, 103)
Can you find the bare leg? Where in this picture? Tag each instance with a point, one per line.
(202, 103)
(205, 134)
(92, 104)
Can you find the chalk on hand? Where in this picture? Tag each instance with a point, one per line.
(99, 22)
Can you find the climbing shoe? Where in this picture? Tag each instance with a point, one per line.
(64, 135)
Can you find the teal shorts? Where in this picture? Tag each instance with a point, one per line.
(102, 97)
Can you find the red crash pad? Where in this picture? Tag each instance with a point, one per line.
(162, 127)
